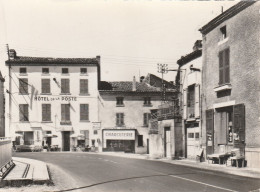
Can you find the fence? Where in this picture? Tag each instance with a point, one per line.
(5, 155)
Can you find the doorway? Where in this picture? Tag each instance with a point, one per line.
(66, 141)
(167, 142)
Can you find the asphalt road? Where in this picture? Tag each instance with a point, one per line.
(94, 172)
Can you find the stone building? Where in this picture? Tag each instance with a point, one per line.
(230, 82)
(124, 112)
(52, 101)
(2, 106)
(189, 75)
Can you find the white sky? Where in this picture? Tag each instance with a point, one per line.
(131, 36)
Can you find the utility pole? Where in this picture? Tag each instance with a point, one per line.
(10, 91)
(163, 68)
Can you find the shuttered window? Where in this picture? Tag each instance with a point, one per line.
(46, 112)
(23, 86)
(83, 86)
(46, 86)
(184, 104)
(224, 73)
(210, 131)
(120, 119)
(84, 112)
(147, 117)
(24, 113)
(120, 101)
(65, 112)
(65, 86)
(191, 101)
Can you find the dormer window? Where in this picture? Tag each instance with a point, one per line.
(223, 31)
(23, 70)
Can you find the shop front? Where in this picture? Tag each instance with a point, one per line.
(119, 140)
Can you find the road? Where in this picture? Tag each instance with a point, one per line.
(95, 172)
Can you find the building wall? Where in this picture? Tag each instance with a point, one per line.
(2, 107)
(190, 77)
(243, 41)
(34, 75)
(133, 114)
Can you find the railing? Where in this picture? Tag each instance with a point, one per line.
(5, 151)
(168, 111)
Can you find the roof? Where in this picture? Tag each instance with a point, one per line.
(156, 81)
(127, 86)
(232, 11)
(189, 57)
(34, 61)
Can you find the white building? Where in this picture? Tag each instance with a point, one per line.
(190, 82)
(52, 101)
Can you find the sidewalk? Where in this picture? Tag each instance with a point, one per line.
(27, 171)
(245, 171)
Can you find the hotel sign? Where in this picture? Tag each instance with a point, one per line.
(119, 134)
(59, 98)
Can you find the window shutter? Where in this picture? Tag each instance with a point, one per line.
(210, 131)
(43, 112)
(221, 68)
(62, 85)
(117, 119)
(21, 114)
(226, 56)
(184, 104)
(83, 86)
(122, 118)
(197, 100)
(239, 125)
(67, 113)
(48, 112)
(63, 112)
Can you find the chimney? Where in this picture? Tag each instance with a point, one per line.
(142, 78)
(134, 84)
(12, 54)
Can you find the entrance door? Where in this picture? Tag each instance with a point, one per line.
(147, 146)
(66, 140)
(167, 142)
(193, 142)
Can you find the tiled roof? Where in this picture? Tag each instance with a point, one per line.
(21, 60)
(232, 11)
(127, 86)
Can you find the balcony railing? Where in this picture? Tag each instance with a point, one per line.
(168, 111)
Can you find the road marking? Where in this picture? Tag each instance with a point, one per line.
(214, 186)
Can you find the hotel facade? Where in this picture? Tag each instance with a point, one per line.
(52, 101)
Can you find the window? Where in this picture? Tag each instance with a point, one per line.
(23, 86)
(120, 101)
(147, 101)
(46, 86)
(224, 67)
(223, 31)
(83, 86)
(84, 112)
(65, 112)
(191, 101)
(190, 135)
(120, 119)
(65, 70)
(197, 136)
(83, 70)
(140, 140)
(65, 85)
(46, 112)
(95, 132)
(24, 113)
(147, 117)
(45, 70)
(23, 70)
(93, 142)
